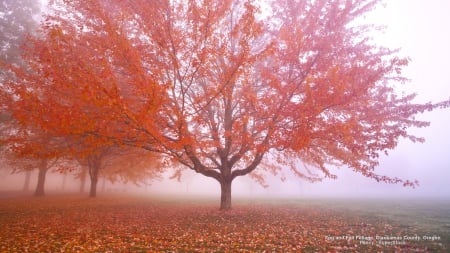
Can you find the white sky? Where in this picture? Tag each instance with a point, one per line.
(422, 30)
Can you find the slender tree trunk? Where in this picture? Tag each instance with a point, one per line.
(41, 179)
(225, 194)
(94, 167)
(83, 180)
(26, 184)
(93, 173)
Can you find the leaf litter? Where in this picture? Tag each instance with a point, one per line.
(127, 224)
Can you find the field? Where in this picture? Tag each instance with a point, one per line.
(75, 223)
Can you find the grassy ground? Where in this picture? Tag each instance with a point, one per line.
(141, 224)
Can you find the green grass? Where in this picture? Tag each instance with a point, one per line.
(73, 223)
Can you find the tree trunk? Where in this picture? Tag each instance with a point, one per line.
(41, 179)
(93, 189)
(225, 194)
(94, 167)
(26, 184)
(93, 173)
(83, 180)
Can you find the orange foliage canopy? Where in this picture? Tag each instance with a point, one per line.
(222, 87)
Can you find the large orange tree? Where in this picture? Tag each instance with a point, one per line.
(225, 88)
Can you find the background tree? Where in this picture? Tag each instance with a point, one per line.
(132, 165)
(81, 174)
(92, 149)
(119, 163)
(221, 87)
(18, 18)
(25, 151)
(13, 164)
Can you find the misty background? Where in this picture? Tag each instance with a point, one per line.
(422, 30)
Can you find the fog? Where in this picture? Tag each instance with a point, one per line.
(422, 30)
